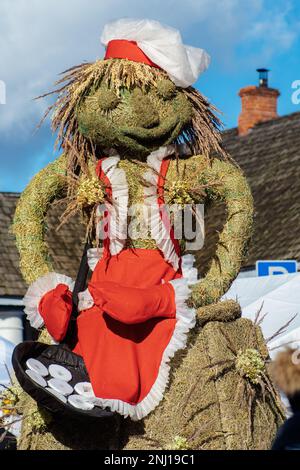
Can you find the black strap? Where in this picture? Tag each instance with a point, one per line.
(80, 285)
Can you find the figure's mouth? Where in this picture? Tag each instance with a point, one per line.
(153, 136)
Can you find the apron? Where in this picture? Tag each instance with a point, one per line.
(128, 364)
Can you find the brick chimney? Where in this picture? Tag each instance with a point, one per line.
(259, 103)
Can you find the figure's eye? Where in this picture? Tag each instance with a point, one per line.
(107, 99)
(166, 89)
(124, 92)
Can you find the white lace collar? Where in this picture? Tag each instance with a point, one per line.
(119, 209)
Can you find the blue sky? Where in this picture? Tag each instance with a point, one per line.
(39, 39)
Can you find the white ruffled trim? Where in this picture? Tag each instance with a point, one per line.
(85, 300)
(93, 256)
(36, 291)
(118, 227)
(159, 231)
(188, 271)
(119, 209)
(186, 319)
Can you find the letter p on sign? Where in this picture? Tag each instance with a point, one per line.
(275, 267)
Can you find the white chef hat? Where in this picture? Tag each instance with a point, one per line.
(158, 45)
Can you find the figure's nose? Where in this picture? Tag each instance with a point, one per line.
(146, 114)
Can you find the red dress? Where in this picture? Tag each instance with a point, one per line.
(137, 318)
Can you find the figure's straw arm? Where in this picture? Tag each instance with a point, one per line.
(234, 190)
(29, 224)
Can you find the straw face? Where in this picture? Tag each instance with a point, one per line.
(97, 108)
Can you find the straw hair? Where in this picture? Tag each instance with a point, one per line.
(201, 134)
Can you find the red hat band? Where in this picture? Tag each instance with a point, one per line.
(124, 49)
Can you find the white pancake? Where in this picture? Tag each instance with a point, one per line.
(60, 386)
(37, 366)
(85, 389)
(60, 372)
(56, 394)
(80, 402)
(36, 377)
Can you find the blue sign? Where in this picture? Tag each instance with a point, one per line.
(275, 267)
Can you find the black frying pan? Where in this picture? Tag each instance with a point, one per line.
(58, 354)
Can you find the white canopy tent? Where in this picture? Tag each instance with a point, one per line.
(279, 298)
(6, 350)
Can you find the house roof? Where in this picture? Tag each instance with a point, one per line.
(65, 246)
(270, 157)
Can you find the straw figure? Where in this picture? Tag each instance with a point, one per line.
(179, 368)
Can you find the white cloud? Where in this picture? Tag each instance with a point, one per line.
(275, 32)
(39, 39)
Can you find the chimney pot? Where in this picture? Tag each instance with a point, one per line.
(259, 103)
(263, 75)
